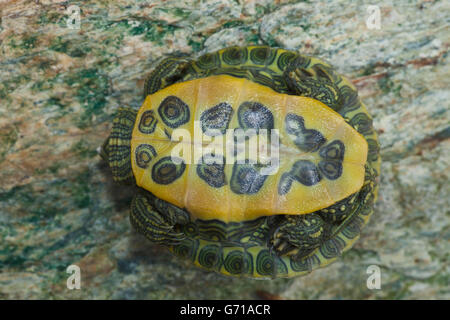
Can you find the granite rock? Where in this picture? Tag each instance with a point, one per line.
(59, 89)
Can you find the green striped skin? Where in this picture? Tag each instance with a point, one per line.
(268, 247)
(146, 218)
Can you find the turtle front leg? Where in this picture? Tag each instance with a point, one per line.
(169, 71)
(157, 225)
(314, 80)
(298, 234)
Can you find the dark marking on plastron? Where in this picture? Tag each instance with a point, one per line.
(212, 173)
(308, 140)
(253, 115)
(285, 183)
(333, 155)
(148, 122)
(144, 155)
(333, 151)
(331, 169)
(216, 118)
(246, 178)
(174, 112)
(305, 172)
(165, 171)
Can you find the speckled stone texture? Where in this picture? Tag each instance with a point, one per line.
(60, 87)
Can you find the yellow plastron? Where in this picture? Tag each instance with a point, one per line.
(151, 144)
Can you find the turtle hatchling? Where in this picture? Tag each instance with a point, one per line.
(219, 202)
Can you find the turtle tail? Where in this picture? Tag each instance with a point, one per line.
(116, 149)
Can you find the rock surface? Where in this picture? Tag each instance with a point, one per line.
(59, 89)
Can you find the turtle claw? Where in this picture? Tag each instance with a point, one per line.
(281, 246)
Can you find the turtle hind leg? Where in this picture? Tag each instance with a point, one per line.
(341, 210)
(299, 234)
(316, 81)
(116, 149)
(153, 224)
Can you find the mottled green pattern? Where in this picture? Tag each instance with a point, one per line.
(59, 89)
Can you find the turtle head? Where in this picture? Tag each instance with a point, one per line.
(116, 149)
